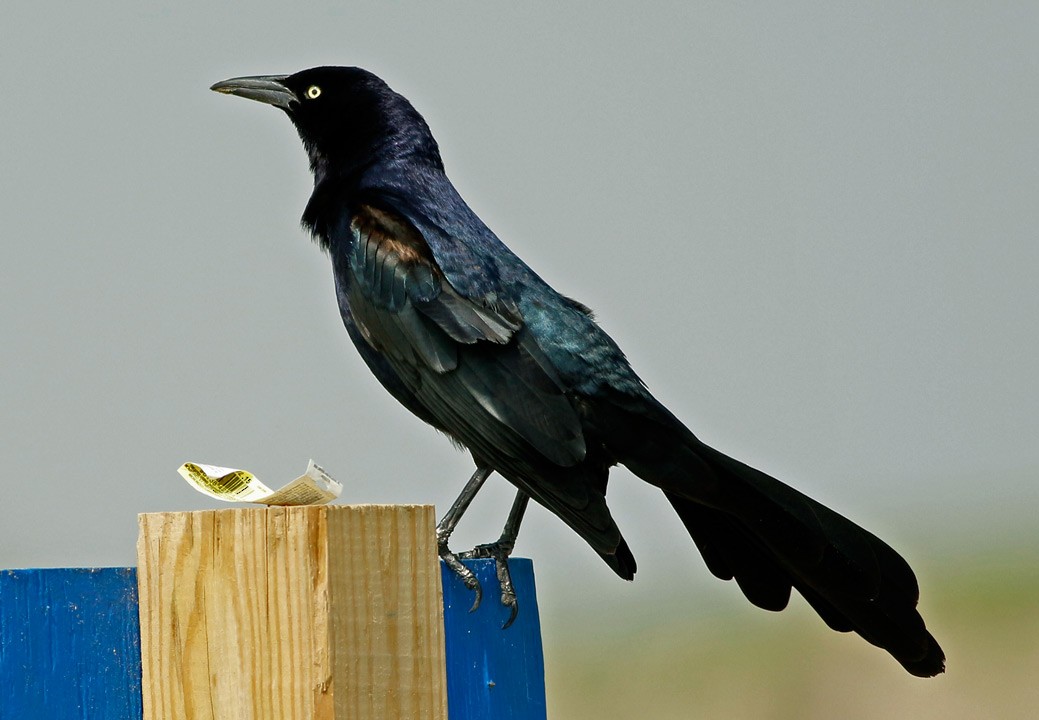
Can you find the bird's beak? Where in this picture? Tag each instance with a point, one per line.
(268, 89)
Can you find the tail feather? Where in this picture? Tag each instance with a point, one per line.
(731, 554)
(771, 538)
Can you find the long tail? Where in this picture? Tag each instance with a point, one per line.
(772, 538)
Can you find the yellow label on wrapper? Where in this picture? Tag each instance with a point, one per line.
(314, 487)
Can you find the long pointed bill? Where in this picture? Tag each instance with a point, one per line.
(268, 89)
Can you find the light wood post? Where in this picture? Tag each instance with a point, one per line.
(306, 613)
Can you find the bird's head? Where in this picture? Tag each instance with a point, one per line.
(347, 117)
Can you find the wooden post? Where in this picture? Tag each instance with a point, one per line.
(306, 613)
(69, 646)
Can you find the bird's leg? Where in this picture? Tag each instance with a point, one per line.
(447, 524)
(500, 551)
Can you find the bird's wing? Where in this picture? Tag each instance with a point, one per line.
(470, 361)
(474, 366)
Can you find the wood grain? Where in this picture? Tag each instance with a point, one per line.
(314, 612)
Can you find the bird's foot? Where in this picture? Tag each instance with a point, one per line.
(464, 574)
(500, 551)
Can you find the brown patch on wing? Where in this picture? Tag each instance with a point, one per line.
(396, 234)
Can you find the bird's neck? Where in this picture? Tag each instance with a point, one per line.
(341, 180)
(385, 146)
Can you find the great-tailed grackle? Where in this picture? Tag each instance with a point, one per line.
(471, 340)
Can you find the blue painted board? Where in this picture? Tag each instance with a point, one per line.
(493, 673)
(69, 644)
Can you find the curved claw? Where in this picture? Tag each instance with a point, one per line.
(508, 592)
(477, 595)
(513, 611)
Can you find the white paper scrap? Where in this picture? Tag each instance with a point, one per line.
(314, 487)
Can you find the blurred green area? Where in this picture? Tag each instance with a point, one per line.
(671, 661)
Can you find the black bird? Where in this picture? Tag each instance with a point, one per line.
(467, 337)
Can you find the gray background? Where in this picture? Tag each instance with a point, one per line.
(812, 228)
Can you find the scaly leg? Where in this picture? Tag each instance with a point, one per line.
(447, 525)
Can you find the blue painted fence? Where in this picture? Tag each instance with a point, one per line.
(70, 646)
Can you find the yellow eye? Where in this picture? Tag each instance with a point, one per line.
(313, 92)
